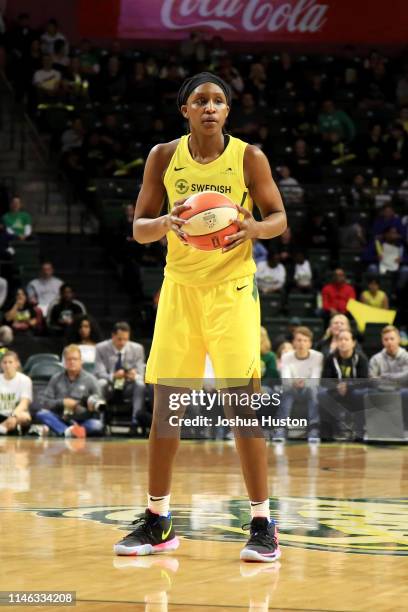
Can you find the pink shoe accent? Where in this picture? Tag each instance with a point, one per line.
(170, 545)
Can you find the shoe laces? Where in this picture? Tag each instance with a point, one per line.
(260, 534)
(145, 523)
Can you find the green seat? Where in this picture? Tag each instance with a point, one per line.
(40, 357)
(152, 279)
(44, 370)
(301, 304)
(88, 367)
(26, 253)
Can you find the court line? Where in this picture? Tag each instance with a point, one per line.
(207, 605)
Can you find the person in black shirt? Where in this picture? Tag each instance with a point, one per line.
(345, 374)
(62, 314)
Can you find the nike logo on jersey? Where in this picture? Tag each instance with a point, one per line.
(243, 287)
(178, 169)
(165, 534)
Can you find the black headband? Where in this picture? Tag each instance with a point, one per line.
(190, 85)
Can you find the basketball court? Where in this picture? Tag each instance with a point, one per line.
(342, 512)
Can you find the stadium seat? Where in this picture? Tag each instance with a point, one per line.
(301, 304)
(152, 279)
(271, 305)
(44, 370)
(372, 338)
(40, 358)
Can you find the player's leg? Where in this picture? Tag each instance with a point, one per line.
(177, 354)
(233, 338)
(12, 422)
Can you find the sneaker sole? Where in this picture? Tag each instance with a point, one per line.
(146, 549)
(255, 557)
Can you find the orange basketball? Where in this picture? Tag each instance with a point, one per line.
(211, 219)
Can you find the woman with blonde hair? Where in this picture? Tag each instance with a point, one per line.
(328, 344)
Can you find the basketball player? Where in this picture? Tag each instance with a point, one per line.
(208, 302)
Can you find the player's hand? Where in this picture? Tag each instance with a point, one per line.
(248, 229)
(173, 221)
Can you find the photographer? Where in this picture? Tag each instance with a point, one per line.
(71, 401)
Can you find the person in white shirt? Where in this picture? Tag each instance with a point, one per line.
(15, 394)
(270, 275)
(302, 275)
(47, 80)
(44, 289)
(301, 370)
(50, 37)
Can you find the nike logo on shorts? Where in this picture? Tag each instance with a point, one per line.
(177, 169)
(243, 287)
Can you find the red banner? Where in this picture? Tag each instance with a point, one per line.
(304, 21)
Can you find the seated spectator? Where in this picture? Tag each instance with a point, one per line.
(6, 339)
(16, 394)
(119, 366)
(44, 289)
(352, 236)
(247, 117)
(333, 120)
(51, 36)
(18, 222)
(85, 334)
(370, 149)
(360, 195)
(300, 373)
(60, 60)
(301, 163)
(341, 402)
(396, 147)
(390, 256)
(289, 187)
(389, 367)
(73, 137)
(283, 347)
(269, 372)
(47, 80)
(71, 401)
(62, 314)
(319, 233)
(373, 295)
(329, 343)
(386, 218)
(113, 82)
(302, 275)
(302, 124)
(284, 245)
(3, 290)
(23, 316)
(271, 274)
(88, 59)
(336, 294)
(259, 251)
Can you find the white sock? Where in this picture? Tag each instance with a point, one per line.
(3, 430)
(158, 505)
(260, 509)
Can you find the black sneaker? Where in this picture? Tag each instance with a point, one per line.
(263, 542)
(153, 534)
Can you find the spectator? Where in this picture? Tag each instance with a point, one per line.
(396, 147)
(44, 289)
(373, 295)
(387, 218)
(47, 80)
(329, 343)
(301, 163)
(332, 120)
(301, 371)
(302, 124)
(289, 187)
(259, 251)
(370, 148)
(390, 256)
(85, 334)
(113, 84)
(336, 294)
(22, 316)
(141, 86)
(51, 36)
(120, 365)
(283, 347)
(18, 222)
(62, 313)
(389, 368)
(349, 368)
(248, 118)
(71, 401)
(271, 274)
(269, 372)
(352, 236)
(302, 275)
(15, 395)
(360, 194)
(73, 137)
(6, 339)
(257, 83)
(3, 290)
(284, 245)
(60, 60)
(88, 59)
(319, 233)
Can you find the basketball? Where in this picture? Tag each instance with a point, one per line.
(211, 219)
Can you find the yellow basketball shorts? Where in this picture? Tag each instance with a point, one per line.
(222, 321)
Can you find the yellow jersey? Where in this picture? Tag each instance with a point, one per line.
(185, 177)
(374, 300)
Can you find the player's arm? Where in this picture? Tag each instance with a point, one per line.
(148, 226)
(264, 192)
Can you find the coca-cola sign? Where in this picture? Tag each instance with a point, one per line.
(237, 15)
(247, 21)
